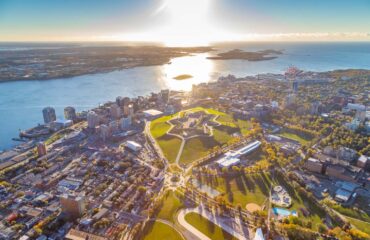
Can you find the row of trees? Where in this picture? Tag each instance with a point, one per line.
(342, 136)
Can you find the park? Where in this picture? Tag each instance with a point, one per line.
(192, 134)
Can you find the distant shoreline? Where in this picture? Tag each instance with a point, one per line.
(57, 63)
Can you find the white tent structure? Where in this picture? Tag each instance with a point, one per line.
(259, 235)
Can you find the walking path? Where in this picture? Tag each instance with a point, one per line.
(232, 226)
(172, 225)
(189, 227)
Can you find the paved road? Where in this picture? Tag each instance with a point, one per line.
(232, 226)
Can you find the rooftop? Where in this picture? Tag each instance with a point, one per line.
(152, 113)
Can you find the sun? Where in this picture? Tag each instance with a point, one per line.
(188, 23)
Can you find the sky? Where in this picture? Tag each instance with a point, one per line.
(184, 20)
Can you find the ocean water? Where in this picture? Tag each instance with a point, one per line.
(21, 102)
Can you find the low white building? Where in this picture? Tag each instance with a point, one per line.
(134, 146)
(152, 113)
(233, 157)
(342, 195)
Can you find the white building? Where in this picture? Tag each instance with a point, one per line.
(233, 157)
(258, 235)
(92, 119)
(355, 106)
(274, 104)
(134, 146)
(104, 132)
(152, 113)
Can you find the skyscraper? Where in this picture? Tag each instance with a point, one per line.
(49, 114)
(74, 206)
(92, 119)
(126, 123)
(70, 113)
(295, 86)
(128, 110)
(165, 94)
(41, 149)
(115, 111)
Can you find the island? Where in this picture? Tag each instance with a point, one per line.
(76, 60)
(183, 77)
(235, 54)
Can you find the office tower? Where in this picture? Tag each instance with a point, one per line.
(49, 114)
(70, 113)
(73, 206)
(92, 119)
(115, 111)
(41, 149)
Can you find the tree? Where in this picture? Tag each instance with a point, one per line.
(322, 228)
(358, 235)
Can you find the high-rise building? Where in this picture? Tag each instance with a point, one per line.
(294, 86)
(70, 113)
(289, 100)
(315, 108)
(41, 149)
(126, 101)
(73, 206)
(128, 110)
(126, 123)
(165, 95)
(49, 114)
(360, 115)
(119, 101)
(115, 111)
(113, 126)
(105, 132)
(92, 119)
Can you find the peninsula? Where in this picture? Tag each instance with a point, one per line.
(236, 54)
(42, 64)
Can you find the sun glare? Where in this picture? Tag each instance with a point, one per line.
(188, 23)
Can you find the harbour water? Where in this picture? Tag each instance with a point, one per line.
(21, 102)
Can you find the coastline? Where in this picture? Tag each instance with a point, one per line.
(268, 76)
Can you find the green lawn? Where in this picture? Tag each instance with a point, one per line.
(220, 136)
(58, 135)
(196, 148)
(360, 225)
(249, 188)
(171, 204)
(209, 229)
(199, 147)
(244, 126)
(170, 146)
(162, 231)
(349, 212)
(254, 188)
(296, 137)
(257, 155)
(159, 127)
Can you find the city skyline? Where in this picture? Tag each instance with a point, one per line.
(178, 22)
